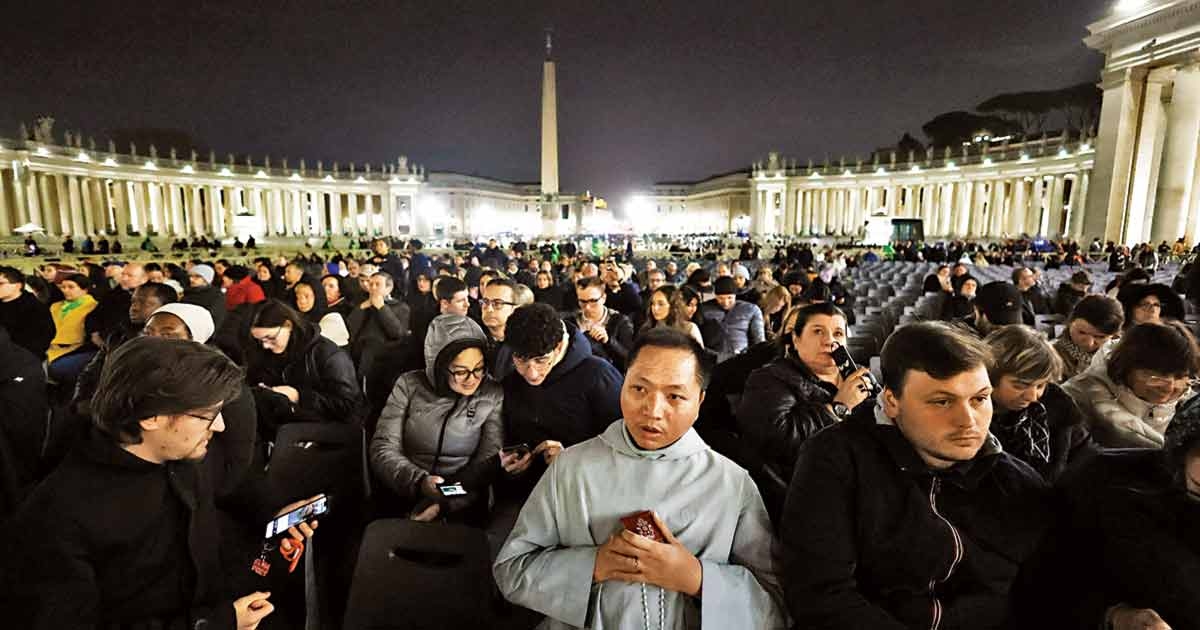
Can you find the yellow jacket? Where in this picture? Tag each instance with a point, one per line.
(69, 333)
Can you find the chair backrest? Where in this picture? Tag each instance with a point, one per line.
(311, 458)
(420, 576)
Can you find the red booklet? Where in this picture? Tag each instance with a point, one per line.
(642, 524)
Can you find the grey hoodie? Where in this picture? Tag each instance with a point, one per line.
(708, 503)
(405, 445)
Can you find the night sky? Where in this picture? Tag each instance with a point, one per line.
(647, 91)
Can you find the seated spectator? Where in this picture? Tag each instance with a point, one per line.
(294, 276)
(1125, 554)
(776, 303)
(1033, 298)
(1071, 292)
(1129, 398)
(609, 332)
(709, 564)
(559, 393)
(937, 282)
(1149, 303)
(157, 414)
(996, 304)
(442, 425)
(1034, 419)
(451, 297)
(741, 323)
(28, 320)
(799, 393)
(340, 294)
(961, 305)
(1093, 322)
(201, 292)
(297, 374)
(331, 325)
(665, 308)
(911, 515)
(378, 320)
(240, 288)
(70, 350)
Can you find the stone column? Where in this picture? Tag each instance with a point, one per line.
(121, 210)
(335, 212)
(1179, 168)
(1072, 206)
(856, 204)
(5, 221)
(1015, 224)
(20, 181)
(197, 224)
(216, 212)
(62, 200)
(298, 227)
(318, 212)
(1079, 195)
(275, 203)
(75, 198)
(33, 196)
(1115, 147)
(1147, 159)
(389, 214)
(180, 225)
(87, 194)
(1054, 227)
(356, 221)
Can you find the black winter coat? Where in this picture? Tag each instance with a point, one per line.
(578, 400)
(323, 375)
(29, 323)
(1128, 534)
(620, 339)
(150, 556)
(1069, 439)
(207, 297)
(783, 405)
(872, 538)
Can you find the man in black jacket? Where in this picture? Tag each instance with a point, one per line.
(377, 320)
(910, 515)
(125, 533)
(201, 292)
(28, 320)
(23, 399)
(609, 331)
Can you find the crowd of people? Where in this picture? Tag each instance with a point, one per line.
(645, 443)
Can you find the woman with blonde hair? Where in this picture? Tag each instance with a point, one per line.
(775, 304)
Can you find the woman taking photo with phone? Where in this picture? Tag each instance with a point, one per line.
(442, 426)
(798, 394)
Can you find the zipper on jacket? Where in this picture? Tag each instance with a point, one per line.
(958, 556)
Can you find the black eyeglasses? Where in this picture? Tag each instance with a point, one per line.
(494, 305)
(463, 375)
(595, 301)
(208, 420)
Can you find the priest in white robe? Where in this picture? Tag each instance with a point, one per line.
(570, 557)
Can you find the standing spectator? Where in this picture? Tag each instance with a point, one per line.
(741, 323)
(442, 425)
(70, 350)
(296, 374)
(499, 299)
(609, 332)
(1129, 398)
(1093, 322)
(665, 308)
(621, 295)
(27, 320)
(388, 262)
(545, 291)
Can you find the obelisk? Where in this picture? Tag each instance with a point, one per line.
(549, 124)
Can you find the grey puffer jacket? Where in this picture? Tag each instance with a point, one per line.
(426, 428)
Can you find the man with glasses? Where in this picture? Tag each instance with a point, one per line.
(609, 332)
(125, 533)
(497, 304)
(558, 394)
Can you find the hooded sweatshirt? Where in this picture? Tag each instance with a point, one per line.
(546, 564)
(427, 428)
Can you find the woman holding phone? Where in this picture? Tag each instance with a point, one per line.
(800, 393)
(438, 440)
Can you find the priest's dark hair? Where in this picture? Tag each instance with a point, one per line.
(152, 376)
(672, 339)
